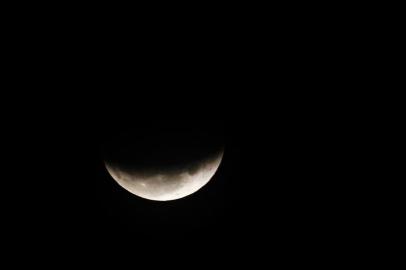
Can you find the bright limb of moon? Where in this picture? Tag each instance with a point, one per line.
(165, 186)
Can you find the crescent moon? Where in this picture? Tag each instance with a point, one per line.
(166, 186)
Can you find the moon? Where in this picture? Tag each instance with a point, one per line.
(166, 186)
(163, 165)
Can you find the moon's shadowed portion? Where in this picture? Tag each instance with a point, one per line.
(163, 164)
(154, 151)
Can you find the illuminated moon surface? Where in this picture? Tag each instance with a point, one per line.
(166, 185)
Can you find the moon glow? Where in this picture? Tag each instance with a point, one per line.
(164, 169)
(166, 186)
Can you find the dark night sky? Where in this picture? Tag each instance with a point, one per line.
(67, 193)
(267, 188)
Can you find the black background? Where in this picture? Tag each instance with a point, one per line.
(69, 95)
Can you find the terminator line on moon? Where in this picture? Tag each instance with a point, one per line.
(166, 186)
